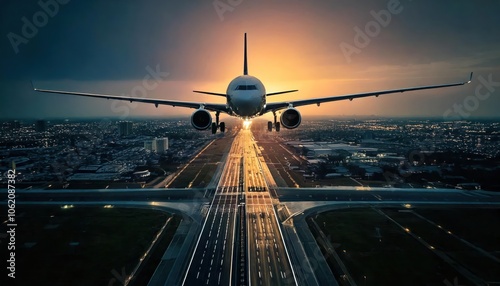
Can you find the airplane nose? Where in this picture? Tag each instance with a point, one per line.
(246, 104)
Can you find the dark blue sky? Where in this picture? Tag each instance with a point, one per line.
(107, 47)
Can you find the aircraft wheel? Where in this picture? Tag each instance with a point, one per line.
(214, 128)
(278, 127)
(269, 126)
(222, 127)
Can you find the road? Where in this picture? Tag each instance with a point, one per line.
(241, 210)
(269, 262)
(367, 194)
(212, 262)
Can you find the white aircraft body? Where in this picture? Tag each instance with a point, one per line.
(246, 98)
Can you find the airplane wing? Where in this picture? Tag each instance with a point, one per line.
(208, 106)
(274, 106)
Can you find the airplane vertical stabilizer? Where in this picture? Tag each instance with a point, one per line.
(245, 66)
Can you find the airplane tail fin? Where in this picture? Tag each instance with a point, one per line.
(245, 65)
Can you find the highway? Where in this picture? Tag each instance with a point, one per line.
(368, 194)
(269, 262)
(212, 262)
(241, 210)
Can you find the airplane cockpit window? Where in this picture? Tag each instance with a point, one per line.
(246, 87)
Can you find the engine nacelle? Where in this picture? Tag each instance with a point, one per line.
(201, 119)
(291, 118)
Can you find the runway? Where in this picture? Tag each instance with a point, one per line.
(241, 211)
(212, 262)
(269, 262)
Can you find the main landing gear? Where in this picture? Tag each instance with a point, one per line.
(216, 125)
(277, 125)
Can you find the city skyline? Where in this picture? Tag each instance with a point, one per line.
(315, 47)
(93, 143)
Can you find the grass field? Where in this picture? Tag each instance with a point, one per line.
(85, 245)
(199, 173)
(469, 255)
(378, 251)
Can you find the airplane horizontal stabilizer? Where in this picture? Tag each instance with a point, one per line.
(281, 92)
(211, 93)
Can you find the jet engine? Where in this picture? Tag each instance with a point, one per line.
(201, 119)
(291, 118)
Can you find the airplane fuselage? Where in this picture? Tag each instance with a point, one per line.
(246, 96)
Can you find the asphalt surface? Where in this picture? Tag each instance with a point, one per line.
(367, 194)
(212, 262)
(269, 262)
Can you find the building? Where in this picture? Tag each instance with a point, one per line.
(148, 145)
(160, 145)
(142, 174)
(125, 128)
(14, 125)
(40, 126)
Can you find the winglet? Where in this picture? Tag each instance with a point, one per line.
(470, 78)
(245, 66)
(32, 85)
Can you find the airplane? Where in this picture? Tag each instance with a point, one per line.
(246, 98)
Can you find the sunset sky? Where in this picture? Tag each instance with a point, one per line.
(109, 46)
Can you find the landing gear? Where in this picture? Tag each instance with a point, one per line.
(218, 125)
(221, 126)
(277, 125)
